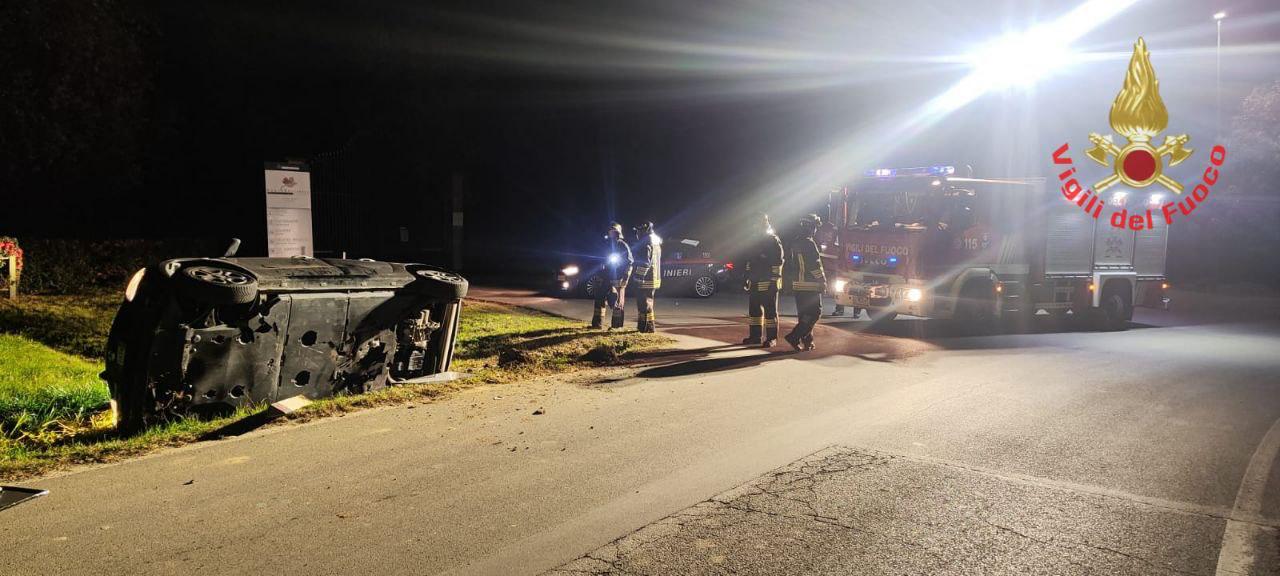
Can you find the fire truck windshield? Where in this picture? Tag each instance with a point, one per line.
(897, 207)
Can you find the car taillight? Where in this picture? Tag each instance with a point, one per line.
(728, 265)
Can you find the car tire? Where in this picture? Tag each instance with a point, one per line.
(590, 287)
(704, 287)
(437, 283)
(217, 285)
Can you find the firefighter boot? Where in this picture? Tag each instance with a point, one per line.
(755, 331)
(770, 329)
(795, 343)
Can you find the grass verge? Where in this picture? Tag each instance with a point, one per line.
(51, 399)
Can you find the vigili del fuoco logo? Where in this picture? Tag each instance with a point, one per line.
(1139, 116)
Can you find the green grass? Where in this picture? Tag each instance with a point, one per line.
(44, 391)
(51, 399)
(72, 324)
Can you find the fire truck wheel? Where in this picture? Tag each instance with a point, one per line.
(881, 316)
(1114, 311)
(975, 315)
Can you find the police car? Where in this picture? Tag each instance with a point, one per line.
(688, 269)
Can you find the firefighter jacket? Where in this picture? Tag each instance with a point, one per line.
(647, 273)
(617, 262)
(764, 263)
(805, 271)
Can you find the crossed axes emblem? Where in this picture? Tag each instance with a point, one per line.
(1138, 164)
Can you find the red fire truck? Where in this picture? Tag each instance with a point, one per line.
(930, 242)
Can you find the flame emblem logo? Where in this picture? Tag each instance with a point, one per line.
(1139, 115)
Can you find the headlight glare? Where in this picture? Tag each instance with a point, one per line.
(914, 295)
(131, 289)
(570, 271)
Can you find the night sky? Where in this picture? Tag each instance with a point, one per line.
(558, 116)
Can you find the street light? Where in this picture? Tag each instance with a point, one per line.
(1217, 18)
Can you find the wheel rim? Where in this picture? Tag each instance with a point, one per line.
(704, 286)
(219, 276)
(591, 287)
(439, 276)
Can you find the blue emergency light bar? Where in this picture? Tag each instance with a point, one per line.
(918, 171)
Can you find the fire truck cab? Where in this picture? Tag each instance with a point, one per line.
(929, 242)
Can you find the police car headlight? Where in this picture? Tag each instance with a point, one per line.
(570, 271)
(838, 286)
(131, 290)
(914, 295)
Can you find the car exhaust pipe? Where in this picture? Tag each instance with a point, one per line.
(232, 249)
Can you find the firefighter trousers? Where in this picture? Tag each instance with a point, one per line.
(644, 310)
(762, 310)
(808, 309)
(607, 303)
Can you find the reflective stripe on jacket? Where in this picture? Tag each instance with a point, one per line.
(764, 264)
(647, 273)
(809, 275)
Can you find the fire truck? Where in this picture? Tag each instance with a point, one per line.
(989, 252)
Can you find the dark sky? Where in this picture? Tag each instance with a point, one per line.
(563, 115)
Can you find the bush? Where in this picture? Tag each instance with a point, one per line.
(61, 266)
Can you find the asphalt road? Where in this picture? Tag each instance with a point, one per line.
(899, 450)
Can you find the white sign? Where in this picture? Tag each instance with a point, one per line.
(288, 212)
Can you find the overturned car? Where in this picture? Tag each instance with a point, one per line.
(208, 335)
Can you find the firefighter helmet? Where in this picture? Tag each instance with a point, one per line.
(762, 220)
(811, 220)
(614, 227)
(644, 229)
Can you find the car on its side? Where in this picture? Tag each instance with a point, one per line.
(688, 269)
(208, 335)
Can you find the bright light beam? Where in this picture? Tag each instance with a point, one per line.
(1016, 59)
(1052, 38)
(1023, 58)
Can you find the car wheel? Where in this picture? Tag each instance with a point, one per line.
(704, 287)
(592, 286)
(217, 285)
(439, 283)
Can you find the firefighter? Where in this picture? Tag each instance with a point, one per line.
(808, 281)
(764, 279)
(647, 274)
(616, 272)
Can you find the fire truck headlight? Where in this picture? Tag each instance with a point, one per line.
(570, 271)
(838, 286)
(564, 285)
(914, 295)
(614, 259)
